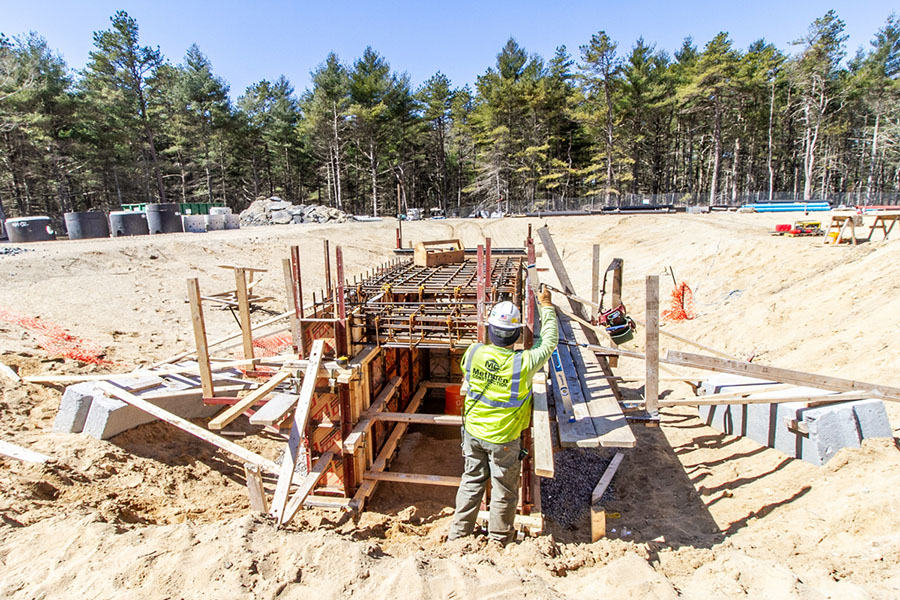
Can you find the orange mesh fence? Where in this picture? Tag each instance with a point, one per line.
(268, 346)
(56, 341)
(682, 304)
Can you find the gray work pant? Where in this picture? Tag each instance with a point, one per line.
(501, 463)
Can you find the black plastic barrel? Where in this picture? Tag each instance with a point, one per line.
(86, 225)
(164, 218)
(30, 229)
(126, 222)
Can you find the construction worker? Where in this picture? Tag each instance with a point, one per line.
(496, 411)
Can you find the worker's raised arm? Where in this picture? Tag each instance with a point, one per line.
(549, 337)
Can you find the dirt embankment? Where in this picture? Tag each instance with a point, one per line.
(154, 513)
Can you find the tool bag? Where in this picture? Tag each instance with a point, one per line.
(618, 324)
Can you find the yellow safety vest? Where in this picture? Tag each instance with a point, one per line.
(498, 402)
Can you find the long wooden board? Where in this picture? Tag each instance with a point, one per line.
(542, 439)
(419, 418)
(233, 412)
(185, 425)
(23, 454)
(825, 382)
(611, 428)
(356, 437)
(298, 427)
(444, 480)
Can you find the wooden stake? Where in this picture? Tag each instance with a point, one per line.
(289, 287)
(206, 381)
(255, 487)
(651, 347)
(598, 513)
(543, 441)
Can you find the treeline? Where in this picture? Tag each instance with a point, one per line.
(712, 123)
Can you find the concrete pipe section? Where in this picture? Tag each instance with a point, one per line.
(164, 218)
(86, 225)
(126, 222)
(30, 229)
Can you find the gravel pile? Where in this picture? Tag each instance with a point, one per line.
(12, 250)
(275, 211)
(567, 497)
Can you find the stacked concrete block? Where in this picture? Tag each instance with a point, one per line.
(814, 434)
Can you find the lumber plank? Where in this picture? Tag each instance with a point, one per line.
(306, 487)
(298, 427)
(274, 410)
(289, 287)
(598, 522)
(543, 441)
(577, 308)
(419, 418)
(248, 269)
(825, 382)
(534, 523)
(651, 346)
(712, 400)
(187, 426)
(76, 378)
(606, 479)
(200, 336)
(610, 425)
(443, 480)
(24, 454)
(233, 412)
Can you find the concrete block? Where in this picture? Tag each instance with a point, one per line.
(830, 427)
(74, 407)
(110, 416)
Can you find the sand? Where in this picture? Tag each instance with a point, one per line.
(154, 513)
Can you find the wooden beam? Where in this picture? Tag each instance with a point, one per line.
(825, 382)
(298, 427)
(233, 412)
(240, 279)
(419, 418)
(185, 425)
(651, 347)
(543, 441)
(274, 410)
(412, 478)
(616, 298)
(255, 488)
(598, 513)
(23, 454)
(248, 269)
(595, 279)
(199, 324)
(306, 487)
(713, 400)
(566, 283)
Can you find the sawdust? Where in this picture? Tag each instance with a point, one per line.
(154, 513)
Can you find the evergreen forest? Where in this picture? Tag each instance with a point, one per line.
(601, 125)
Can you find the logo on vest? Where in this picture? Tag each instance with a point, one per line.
(492, 365)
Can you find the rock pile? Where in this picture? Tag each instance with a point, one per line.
(275, 211)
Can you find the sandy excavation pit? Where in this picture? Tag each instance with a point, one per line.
(699, 512)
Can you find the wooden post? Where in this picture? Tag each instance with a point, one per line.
(595, 279)
(327, 269)
(240, 283)
(255, 488)
(651, 332)
(616, 298)
(298, 298)
(530, 299)
(206, 381)
(598, 513)
(289, 287)
(342, 348)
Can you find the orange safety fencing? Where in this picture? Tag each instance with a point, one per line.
(56, 341)
(268, 346)
(682, 304)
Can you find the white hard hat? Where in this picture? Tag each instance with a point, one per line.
(505, 315)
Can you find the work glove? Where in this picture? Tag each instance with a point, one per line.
(544, 297)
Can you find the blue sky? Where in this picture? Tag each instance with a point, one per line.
(250, 41)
